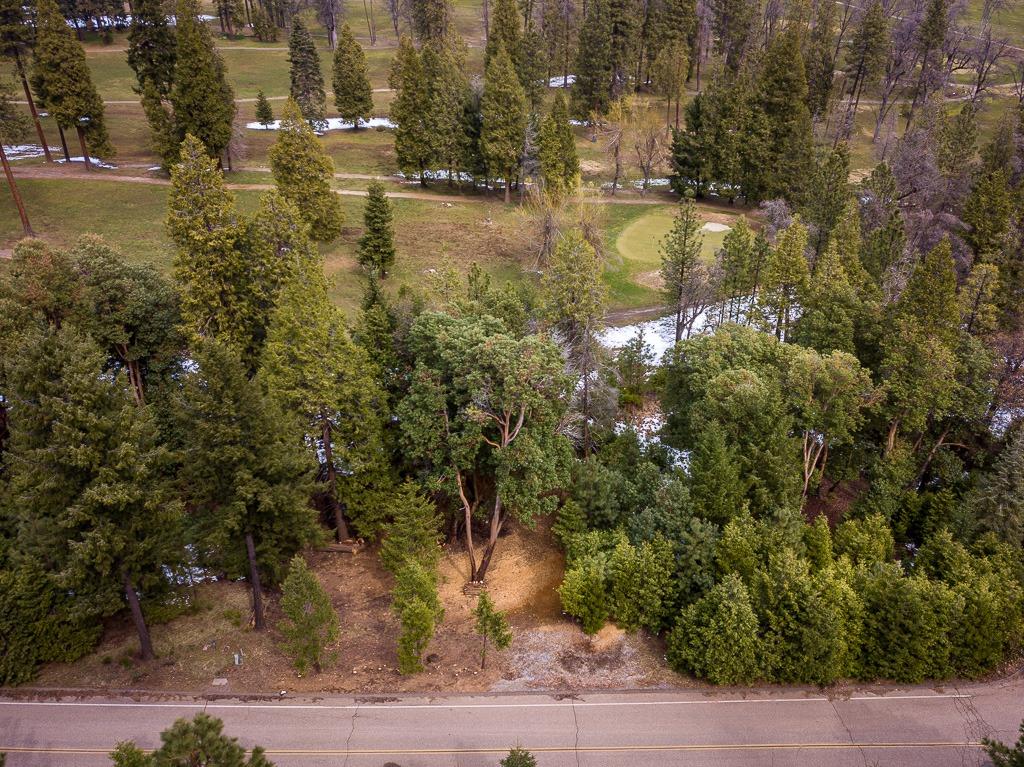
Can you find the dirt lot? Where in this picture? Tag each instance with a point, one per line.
(548, 650)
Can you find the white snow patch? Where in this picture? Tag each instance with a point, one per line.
(155, 167)
(578, 123)
(333, 123)
(561, 82)
(92, 161)
(639, 183)
(22, 151)
(712, 226)
(659, 334)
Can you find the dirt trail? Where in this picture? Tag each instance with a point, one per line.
(76, 174)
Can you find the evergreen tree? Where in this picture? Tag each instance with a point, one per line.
(264, 113)
(919, 357)
(583, 596)
(506, 31)
(988, 211)
(413, 532)
(828, 195)
(13, 128)
(263, 27)
(520, 757)
(409, 111)
(152, 49)
(197, 742)
(717, 489)
(376, 248)
(575, 298)
(303, 172)
(415, 602)
(716, 638)
(17, 35)
(785, 280)
(559, 164)
(829, 307)
(87, 474)
(732, 23)
(353, 97)
(229, 271)
(866, 53)
(491, 625)
(503, 109)
(305, 76)
(998, 500)
(691, 169)
(820, 62)
(244, 476)
(311, 625)
(1003, 755)
(202, 101)
(591, 93)
(782, 93)
(61, 67)
(681, 265)
(736, 267)
(431, 20)
(640, 583)
(315, 373)
(443, 65)
(129, 310)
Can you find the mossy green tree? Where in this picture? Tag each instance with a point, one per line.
(503, 110)
(152, 48)
(559, 163)
(306, 81)
(716, 638)
(245, 478)
(311, 623)
(202, 102)
(376, 247)
(786, 275)
(419, 610)
(314, 371)
(584, 595)
(303, 172)
(681, 267)
(409, 111)
(71, 96)
(353, 97)
(200, 741)
(88, 475)
(520, 757)
(264, 112)
(491, 626)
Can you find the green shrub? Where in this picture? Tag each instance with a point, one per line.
(583, 594)
(865, 541)
(311, 624)
(38, 624)
(716, 637)
(640, 584)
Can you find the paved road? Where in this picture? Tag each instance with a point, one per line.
(911, 728)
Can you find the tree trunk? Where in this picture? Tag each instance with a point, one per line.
(483, 656)
(25, 225)
(254, 582)
(497, 520)
(467, 507)
(340, 527)
(586, 413)
(64, 144)
(132, 597)
(85, 149)
(508, 186)
(135, 378)
(31, 104)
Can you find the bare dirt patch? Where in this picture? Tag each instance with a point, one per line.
(548, 650)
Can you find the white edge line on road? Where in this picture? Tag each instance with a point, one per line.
(284, 705)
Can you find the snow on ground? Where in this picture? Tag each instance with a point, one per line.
(333, 123)
(561, 82)
(22, 151)
(639, 183)
(712, 226)
(95, 163)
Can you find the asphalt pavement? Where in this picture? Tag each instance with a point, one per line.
(926, 727)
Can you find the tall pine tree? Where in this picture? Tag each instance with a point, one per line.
(303, 172)
(559, 164)
(503, 109)
(353, 97)
(376, 248)
(409, 111)
(152, 49)
(306, 79)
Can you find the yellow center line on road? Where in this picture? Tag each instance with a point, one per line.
(543, 749)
